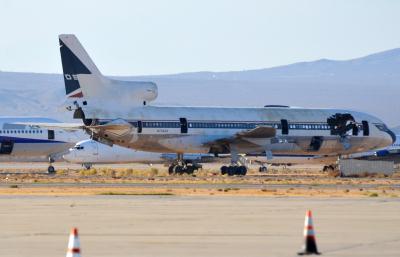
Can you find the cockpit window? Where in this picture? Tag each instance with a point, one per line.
(381, 127)
(79, 147)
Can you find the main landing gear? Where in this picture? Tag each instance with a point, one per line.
(51, 169)
(234, 170)
(237, 167)
(263, 168)
(181, 166)
(330, 168)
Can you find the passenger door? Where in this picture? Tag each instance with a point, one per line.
(285, 127)
(6, 147)
(184, 125)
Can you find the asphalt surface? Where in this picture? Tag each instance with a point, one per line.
(176, 226)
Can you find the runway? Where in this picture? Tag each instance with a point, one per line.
(197, 226)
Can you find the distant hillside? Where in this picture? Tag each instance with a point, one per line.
(370, 84)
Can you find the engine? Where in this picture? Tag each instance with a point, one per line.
(381, 153)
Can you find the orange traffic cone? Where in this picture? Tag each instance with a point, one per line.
(310, 244)
(74, 247)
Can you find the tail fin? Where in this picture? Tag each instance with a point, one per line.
(93, 93)
(75, 62)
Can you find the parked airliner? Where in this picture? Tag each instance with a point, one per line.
(20, 142)
(88, 152)
(119, 112)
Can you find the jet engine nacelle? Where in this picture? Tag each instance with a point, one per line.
(381, 153)
(134, 91)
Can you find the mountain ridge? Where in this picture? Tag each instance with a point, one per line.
(370, 83)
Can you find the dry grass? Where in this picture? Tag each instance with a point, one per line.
(306, 182)
(228, 191)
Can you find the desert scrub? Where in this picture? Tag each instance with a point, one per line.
(107, 172)
(153, 172)
(373, 195)
(89, 172)
(61, 172)
(139, 194)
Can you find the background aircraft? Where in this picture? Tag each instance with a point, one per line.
(89, 152)
(20, 142)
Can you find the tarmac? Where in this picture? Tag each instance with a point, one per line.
(188, 226)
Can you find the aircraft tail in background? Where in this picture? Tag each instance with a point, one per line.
(94, 92)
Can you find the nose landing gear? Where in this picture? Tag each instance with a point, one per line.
(51, 169)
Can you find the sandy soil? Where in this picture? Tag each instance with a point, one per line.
(143, 180)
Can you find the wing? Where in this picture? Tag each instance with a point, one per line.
(245, 139)
(258, 132)
(117, 127)
(55, 125)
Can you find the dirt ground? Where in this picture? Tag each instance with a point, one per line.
(137, 210)
(304, 181)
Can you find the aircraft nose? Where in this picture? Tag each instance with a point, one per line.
(68, 156)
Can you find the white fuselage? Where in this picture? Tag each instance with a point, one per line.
(92, 152)
(196, 129)
(118, 112)
(32, 143)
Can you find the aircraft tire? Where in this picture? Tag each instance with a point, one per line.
(51, 169)
(242, 170)
(224, 170)
(87, 166)
(190, 169)
(171, 170)
(179, 170)
(232, 170)
(262, 169)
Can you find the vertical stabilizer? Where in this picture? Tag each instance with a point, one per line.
(76, 62)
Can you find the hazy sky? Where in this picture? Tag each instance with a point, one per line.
(170, 36)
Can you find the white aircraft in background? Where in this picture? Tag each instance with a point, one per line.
(390, 153)
(117, 112)
(89, 152)
(20, 142)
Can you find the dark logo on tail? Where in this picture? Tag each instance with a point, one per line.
(72, 66)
